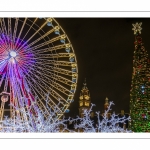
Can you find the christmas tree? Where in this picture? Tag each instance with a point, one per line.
(140, 86)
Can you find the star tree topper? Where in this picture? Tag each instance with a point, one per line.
(137, 28)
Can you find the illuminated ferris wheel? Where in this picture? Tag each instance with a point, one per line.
(36, 58)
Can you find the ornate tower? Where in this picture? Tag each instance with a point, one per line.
(140, 86)
(84, 99)
(106, 104)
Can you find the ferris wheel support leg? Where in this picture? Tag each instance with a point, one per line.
(2, 110)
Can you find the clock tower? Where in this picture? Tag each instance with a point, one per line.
(84, 99)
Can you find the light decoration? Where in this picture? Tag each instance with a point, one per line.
(39, 124)
(106, 124)
(140, 91)
(36, 57)
(34, 122)
(142, 87)
(137, 28)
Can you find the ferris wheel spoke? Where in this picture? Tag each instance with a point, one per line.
(60, 88)
(3, 45)
(3, 26)
(58, 55)
(52, 83)
(3, 65)
(43, 108)
(35, 33)
(4, 48)
(28, 31)
(15, 86)
(1, 29)
(2, 58)
(41, 65)
(51, 49)
(16, 93)
(55, 77)
(54, 62)
(45, 43)
(41, 90)
(64, 63)
(4, 32)
(66, 45)
(66, 55)
(2, 79)
(15, 29)
(63, 71)
(27, 64)
(61, 79)
(10, 32)
(18, 96)
(39, 100)
(41, 37)
(56, 95)
(45, 62)
(47, 87)
(43, 56)
(20, 33)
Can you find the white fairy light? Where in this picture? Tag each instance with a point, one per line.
(38, 123)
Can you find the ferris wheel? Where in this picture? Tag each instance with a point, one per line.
(36, 58)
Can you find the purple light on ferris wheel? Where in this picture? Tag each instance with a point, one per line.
(15, 61)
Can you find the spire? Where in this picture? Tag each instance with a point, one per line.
(106, 100)
(84, 84)
(84, 90)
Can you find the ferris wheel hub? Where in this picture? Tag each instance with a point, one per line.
(13, 53)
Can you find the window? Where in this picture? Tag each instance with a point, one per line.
(86, 103)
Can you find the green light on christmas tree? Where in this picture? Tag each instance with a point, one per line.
(140, 86)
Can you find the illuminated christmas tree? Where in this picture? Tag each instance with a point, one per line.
(140, 87)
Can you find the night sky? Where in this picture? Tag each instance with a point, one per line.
(104, 51)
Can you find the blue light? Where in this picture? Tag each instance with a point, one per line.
(68, 50)
(62, 40)
(74, 70)
(70, 100)
(73, 80)
(49, 24)
(72, 91)
(67, 110)
(71, 59)
(57, 32)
